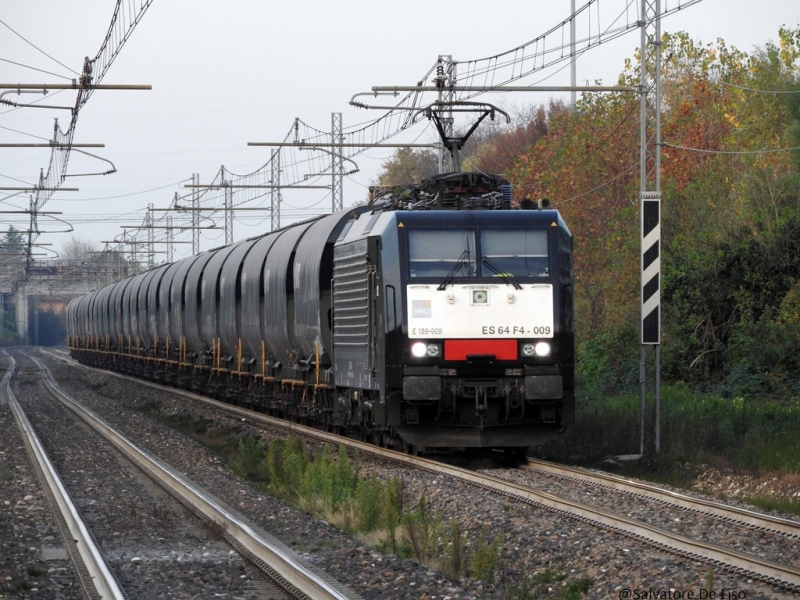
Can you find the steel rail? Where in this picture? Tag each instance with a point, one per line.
(731, 514)
(279, 561)
(738, 562)
(784, 576)
(93, 572)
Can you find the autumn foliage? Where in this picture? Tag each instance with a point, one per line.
(730, 210)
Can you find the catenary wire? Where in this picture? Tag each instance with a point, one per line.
(39, 49)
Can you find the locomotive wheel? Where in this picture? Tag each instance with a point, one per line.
(407, 448)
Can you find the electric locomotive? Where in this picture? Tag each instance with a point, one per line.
(453, 316)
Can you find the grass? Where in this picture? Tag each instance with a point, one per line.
(698, 430)
(783, 505)
(34, 571)
(548, 583)
(221, 440)
(329, 485)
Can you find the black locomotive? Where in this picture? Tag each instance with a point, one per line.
(436, 316)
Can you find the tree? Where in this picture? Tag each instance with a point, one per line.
(585, 163)
(730, 253)
(112, 265)
(12, 248)
(497, 148)
(409, 166)
(730, 210)
(78, 249)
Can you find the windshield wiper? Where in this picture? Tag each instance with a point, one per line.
(463, 259)
(507, 276)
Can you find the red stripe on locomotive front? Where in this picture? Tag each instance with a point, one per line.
(462, 349)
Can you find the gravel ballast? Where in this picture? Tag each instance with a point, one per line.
(536, 541)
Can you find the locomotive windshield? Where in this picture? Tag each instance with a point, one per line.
(437, 252)
(502, 253)
(518, 252)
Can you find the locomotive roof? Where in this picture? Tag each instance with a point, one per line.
(448, 191)
(378, 223)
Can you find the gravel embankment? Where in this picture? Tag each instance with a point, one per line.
(536, 541)
(154, 547)
(33, 562)
(694, 525)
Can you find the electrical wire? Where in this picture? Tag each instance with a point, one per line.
(599, 187)
(749, 89)
(39, 49)
(394, 122)
(38, 137)
(163, 187)
(15, 179)
(705, 151)
(33, 68)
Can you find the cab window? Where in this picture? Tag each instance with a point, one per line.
(517, 252)
(436, 252)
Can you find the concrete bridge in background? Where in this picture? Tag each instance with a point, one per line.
(46, 287)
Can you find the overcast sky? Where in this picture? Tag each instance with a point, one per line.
(228, 73)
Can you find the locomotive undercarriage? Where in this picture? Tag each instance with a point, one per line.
(485, 412)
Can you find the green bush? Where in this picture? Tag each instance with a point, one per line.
(369, 497)
(423, 530)
(333, 488)
(483, 559)
(248, 461)
(609, 361)
(696, 428)
(392, 510)
(764, 357)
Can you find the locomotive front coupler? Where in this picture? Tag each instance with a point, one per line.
(514, 399)
(481, 401)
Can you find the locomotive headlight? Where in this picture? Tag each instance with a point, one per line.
(419, 349)
(540, 349)
(423, 349)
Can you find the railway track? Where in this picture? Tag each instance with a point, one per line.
(785, 576)
(725, 512)
(92, 571)
(290, 575)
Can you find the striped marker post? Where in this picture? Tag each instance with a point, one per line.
(651, 267)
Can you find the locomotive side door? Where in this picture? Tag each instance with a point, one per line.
(357, 317)
(377, 353)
